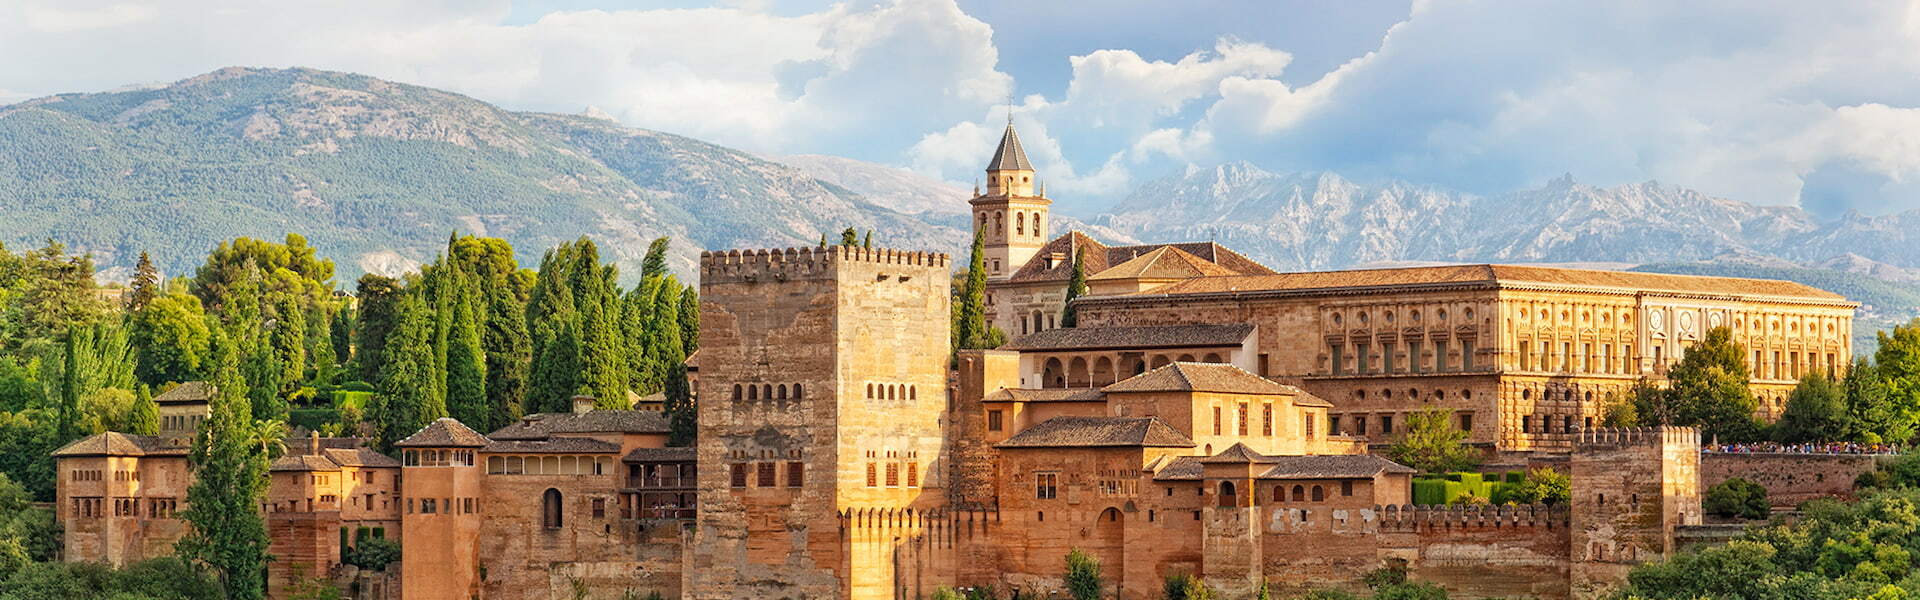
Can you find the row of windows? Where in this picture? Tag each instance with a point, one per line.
(1363, 318)
(181, 422)
(1440, 361)
(126, 475)
(766, 474)
(767, 391)
(1301, 493)
(892, 391)
(893, 472)
(448, 506)
(1337, 424)
(549, 465)
(439, 458)
(85, 475)
(1414, 394)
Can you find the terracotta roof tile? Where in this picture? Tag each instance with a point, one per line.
(1494, 276)
(1096, 432)
(1165, 262)
(1337, 466)
(359, 457)
(303, 462)
(192, 392)
(1201, 377)
(1159, 336)
(114, 443)
(541, 425)
(1046, 395)
(444, 432)
(559, 445)
(660, 455)
(1181, 468)
(1238, 453)
(1100, 257)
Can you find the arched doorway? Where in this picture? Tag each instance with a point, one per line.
(1103, 372)
(1228, 499)
(1053, 375)
(1109, 542)
(1077, 372)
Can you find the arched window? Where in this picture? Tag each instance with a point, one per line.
(1213, 357)
(550, 509)
(1019, 223)
(1279, 494)
(782, 391)
(766, 391)
(1226, 493)
(1299, 493)
(753, 392)
(869, 391)
(913, 392)
(1319, 494)
(736, 391)
(999, 223)
(1053, 375)
(796, 391)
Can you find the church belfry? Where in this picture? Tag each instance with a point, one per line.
(1010, 215)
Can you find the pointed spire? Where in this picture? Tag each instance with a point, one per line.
(1010, 156)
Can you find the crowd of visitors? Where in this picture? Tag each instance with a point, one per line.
(1806, 448)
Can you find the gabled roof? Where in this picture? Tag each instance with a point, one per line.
(303, 462)
(1201, 377)
(559, 445)
(1045, 395)
(192, 392)
(444, 432)
(541, 425)
(114, 443)
(1491, 276)
(1009, 155)
(1337, 466)
(359, 457)
(1100, 257)
(686, 454)
(1181, 468)
(1238, 454)
(1165, 262)
(1158, 336)
(1098, 432)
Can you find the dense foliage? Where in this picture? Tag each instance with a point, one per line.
(1432, 444)
(1736, 497)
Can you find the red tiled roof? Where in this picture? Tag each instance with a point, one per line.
(1495, 276)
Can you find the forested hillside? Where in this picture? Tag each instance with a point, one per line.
(378, 173)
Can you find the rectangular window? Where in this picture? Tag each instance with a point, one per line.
(1216, 420)
(1359, 424)
(1346, 488)
(1264, 369)
(1566, 356)
(1586, 357)
(873, 476)
(1333, 425)
(1466, 421)
(1526, 424)
(913, 474)
(1266, 419)
(1386, 357)
(1466, 355)
(1415, 364)
(993, 420)
(796, 474)
(1046, 485)
(1440, 356)
(766, 472)
(427, 505)
(739, 474)
(1606, 358)
(1308, 418)
(599, 508)
(1360, 356)
(1386, 424)
(1241, 428)
(893, 474)
(1337, 358)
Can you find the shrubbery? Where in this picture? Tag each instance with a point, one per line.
(1737, 497)
(373, 553)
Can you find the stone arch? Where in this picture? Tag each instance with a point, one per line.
(1102, 372)
(999, 223)
(753, 392)
(869, 391)
(1053, 374)
(1227, 496)
(1299, 493)
(1319, 494)
(1019, 223)
(1077, 372)
(1160, 360)
(913, 392)
(766, 391)
(796, 391)
(1213, 357)
(1185, 358)
(781, 391)
(736, 391)
(1132, 365)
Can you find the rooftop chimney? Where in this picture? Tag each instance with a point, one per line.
(313, 444)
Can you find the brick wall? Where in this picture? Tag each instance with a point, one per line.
(1790, 479)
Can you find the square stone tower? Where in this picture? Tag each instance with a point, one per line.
(1632, 488)
(824, 379)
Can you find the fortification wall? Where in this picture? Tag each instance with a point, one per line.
(651, 562)
(305, 545)
(1480, 551)
(1790, 479)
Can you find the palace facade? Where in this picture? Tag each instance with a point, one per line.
(1208, 416)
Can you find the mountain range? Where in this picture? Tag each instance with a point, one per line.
(377, 174)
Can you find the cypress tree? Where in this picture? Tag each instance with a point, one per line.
(145, 285)
(69, 412)
(637, 326)
(655, 262)
(406, 401)
(340, 334)
(377, 295)
(229, 459)
(823, 240)
(682, 415)
(509, 354)
(1076, 287)
(466, 359)
(144, 417)
(602, 356)
(554, 374)
(690, 320)
(970, 314)
(289, 337)
(868, 242)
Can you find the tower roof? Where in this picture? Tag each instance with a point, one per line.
(1010, 156)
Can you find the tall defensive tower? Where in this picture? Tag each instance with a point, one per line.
(1010, 215)
(824, 371)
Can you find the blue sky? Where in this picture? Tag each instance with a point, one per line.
(1816, 104)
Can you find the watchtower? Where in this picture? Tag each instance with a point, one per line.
(1632, 488)
(824, 373)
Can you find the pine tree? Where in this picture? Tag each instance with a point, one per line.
(406, 401)
(466, 359)
(229, 460)
(144, 418)
(1076, 287)
(850, 237)
(145, 285)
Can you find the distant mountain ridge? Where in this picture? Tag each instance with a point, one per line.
(376, 174)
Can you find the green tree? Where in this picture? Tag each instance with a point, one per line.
(1076, 287)
(682, 414)
(850, 237)
(1083, 576)
(466, 370)
(1736, 497)
(1816, 412)
(1652, 404)
(1621, 410)
(1873, 417)
(57, 292)
(1432, 444)
(406, 402)
(145, 285)
(378, 298)
(1896, 366)
(169, 335)
(970, 308)
(501, 289)
(1184, 586)
(867, 241)
(1709, 385)
(144, 419)
(689, 320)
(597, 301)
(229, 460)
(553, 329)
(1542, 485)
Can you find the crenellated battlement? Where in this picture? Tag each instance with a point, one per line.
(1423, 517)
(809, 262)
(1663, 435)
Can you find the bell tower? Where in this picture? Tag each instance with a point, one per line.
(1011, 215)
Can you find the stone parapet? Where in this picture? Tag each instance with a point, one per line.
(1411, 518)
(777, 264)
(1615, 437)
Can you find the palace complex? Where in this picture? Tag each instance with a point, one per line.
(1207, 416)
